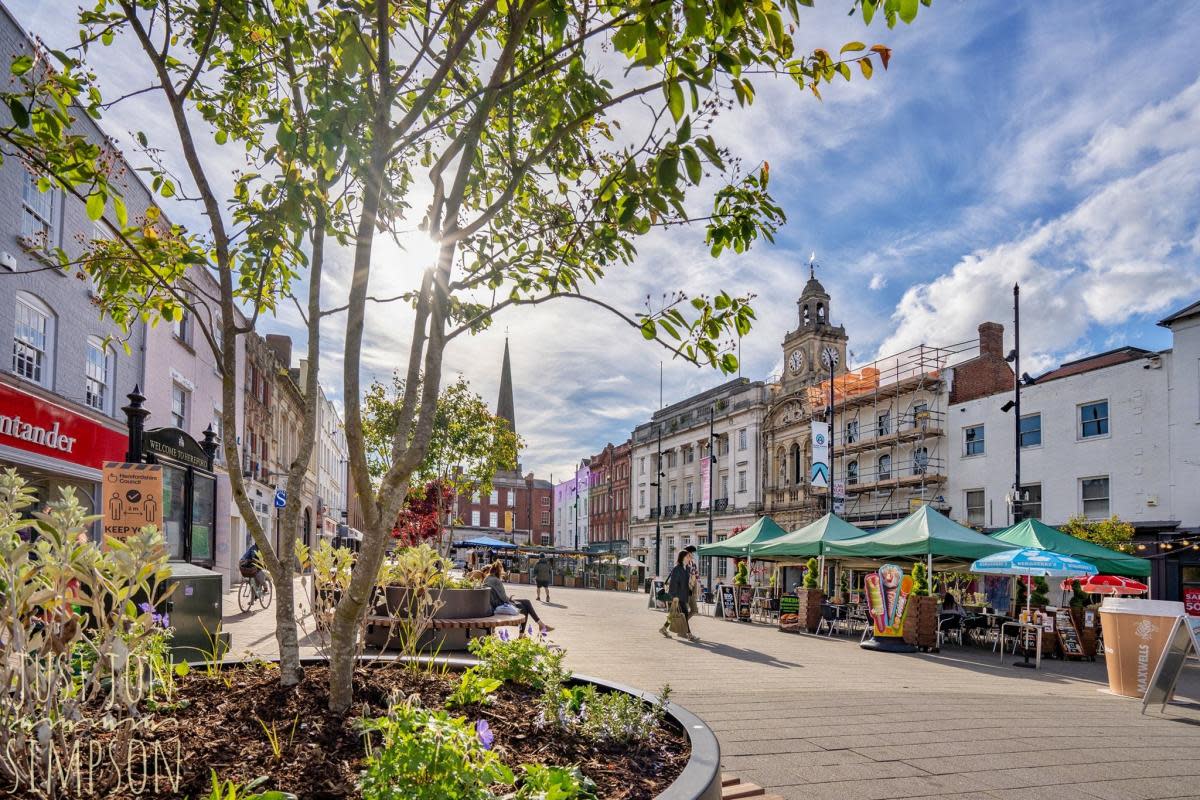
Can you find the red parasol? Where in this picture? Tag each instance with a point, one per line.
(1107, 584)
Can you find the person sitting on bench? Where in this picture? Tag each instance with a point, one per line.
(500, 598)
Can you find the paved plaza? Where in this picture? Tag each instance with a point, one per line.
(815, 717)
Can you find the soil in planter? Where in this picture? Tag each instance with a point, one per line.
(222, 729)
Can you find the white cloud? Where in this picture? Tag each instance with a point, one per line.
(878, 281)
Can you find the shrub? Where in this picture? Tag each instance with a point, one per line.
(524, 661)
(811, 574)
(541, 782)
(601, 716)
(920, 576)
(741, 575)
(473, 689)
(1079, 597)
(1040, 590)
(429, 755)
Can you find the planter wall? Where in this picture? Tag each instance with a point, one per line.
(810, 608)
(701, 776)
(921, 622)
(450, 604)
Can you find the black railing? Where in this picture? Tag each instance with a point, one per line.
(668, 511)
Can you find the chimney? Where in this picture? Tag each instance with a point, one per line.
(991, 339)
(281, 346)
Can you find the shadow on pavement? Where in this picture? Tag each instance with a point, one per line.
(742, 654)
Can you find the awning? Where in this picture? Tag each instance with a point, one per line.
(811, 540)
(1035, 533)
(924, 532)
(742, 545)
(488, 542)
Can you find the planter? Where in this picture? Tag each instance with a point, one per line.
(810, 608)
(701, 775)
(1087, 636)
(558, 580)
(450, 604)
(569, 581)
(921, 622)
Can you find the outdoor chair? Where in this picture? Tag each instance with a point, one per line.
(950, 625)
(830, 619)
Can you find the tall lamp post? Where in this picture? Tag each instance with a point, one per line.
(658, 506)
(1014, 405)
(712, 463)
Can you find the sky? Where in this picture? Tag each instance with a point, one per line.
(1052, 143)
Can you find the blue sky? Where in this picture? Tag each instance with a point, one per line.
(1049, 142)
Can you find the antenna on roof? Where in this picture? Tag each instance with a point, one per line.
(812, 262)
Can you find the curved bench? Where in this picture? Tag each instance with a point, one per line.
(484, 625)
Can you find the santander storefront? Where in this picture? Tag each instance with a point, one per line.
(53, 445)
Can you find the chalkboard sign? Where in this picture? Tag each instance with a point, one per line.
(1068, 637)
(745, 600)
(1184, 641)
(657, 586)
(729, 603)
(789, 612)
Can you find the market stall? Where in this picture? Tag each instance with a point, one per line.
(1035, 533)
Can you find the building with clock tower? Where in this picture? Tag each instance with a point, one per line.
(808, 353)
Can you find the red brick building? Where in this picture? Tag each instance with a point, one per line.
(988, 372)
(608, 499)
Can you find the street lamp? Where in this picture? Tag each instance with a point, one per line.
(712, 463)
(1014, 405)
(658, 506)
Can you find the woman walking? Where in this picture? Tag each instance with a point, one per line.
(679, 592)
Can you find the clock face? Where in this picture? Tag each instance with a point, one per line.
(796, 362)
(829, 356)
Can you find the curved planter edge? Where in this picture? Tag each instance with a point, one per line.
(701, 776)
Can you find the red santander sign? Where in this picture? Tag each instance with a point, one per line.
(27, 422)
(1191, 600)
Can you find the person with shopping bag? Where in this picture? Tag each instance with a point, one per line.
(678, 598)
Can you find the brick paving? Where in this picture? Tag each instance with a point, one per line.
(815, 717)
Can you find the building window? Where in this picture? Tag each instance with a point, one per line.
(689, 492)
(37, 214)
(475, 519)
(852, 473)
(920, 460)
(671, 550)
(884, 426)
(885, 467)
(722, 563)
(180, 401)
(973, 440)
(975, 508)
(741, 439)
(1093, 419)
(641, 498)
(689, 455)
(1031, 430)
(741, 480)
(852, 431)
(642, 465)
(545, 517)
(182, 327)
(545, 502)
(98, 378)
(494, 497)
(1094, 494)
(673, 497)
(1031, 501)
(512, 498)
(724, 487)
(920, 415)
(33, 340)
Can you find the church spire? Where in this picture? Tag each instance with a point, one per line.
(504, 406)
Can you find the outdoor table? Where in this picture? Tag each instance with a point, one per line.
(1022, 626)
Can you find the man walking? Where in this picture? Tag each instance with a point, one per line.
(693, 582)
(541, 576)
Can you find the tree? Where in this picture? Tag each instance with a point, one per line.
(1113, 533)
(537, 141)
(423, 513)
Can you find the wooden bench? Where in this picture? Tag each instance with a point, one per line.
(470, 624)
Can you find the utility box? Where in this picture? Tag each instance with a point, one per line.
(195, 612)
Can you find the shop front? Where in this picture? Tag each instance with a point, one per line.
(54, 446)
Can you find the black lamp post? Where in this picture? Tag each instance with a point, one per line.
(658, 506)
(1014, 405)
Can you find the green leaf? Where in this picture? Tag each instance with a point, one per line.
(21, 65)
(119, 210)
(95, 206)
(867, 69)
(182, 668)
(908, 10)
(19, 114)
(868, 9)
(675, 99)
(221, 136)
(691, 163)
(667, 171)
(649, 329)
(852, 47)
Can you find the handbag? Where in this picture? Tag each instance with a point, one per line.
(506, 608)
(677, 621)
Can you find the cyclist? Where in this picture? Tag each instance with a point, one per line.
(251, 565)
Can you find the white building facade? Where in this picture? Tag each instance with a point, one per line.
(571, 510)
(658, 530)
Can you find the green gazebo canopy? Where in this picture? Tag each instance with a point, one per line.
(1035, 533)
(743, 544)
(924, 532)
(811, 540)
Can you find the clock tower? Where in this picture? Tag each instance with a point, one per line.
(808, 349)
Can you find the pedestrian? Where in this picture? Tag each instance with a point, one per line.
(542, 572)
(693, 582)
(679, 598)
(500, 598)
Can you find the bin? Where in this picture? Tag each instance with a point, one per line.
(1135, 634)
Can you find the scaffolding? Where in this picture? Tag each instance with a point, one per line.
(889, 432)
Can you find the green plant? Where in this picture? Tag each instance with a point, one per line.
(429, 755)
(1079, 598)
(473, 689)
(1039, 598)
(541, 782)
(273, 739)
(601, 716)
(228, 790)
(524, 661)
(812, 574)
(920, 578)
(419, 567)
(1113, 533)
(774, 576)
(1022, 593)
(741, 576)
(844, 584)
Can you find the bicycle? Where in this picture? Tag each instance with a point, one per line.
(250, 592)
